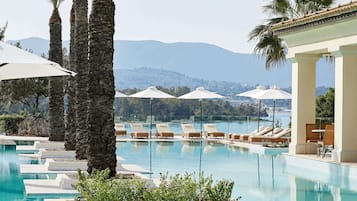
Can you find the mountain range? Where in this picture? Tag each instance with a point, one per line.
(144, 63)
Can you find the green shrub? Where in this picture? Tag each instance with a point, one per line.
(99, 187)
(10, 123)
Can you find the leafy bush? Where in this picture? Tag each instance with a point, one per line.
(99, 187)
(10, 123)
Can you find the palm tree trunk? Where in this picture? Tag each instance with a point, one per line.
(56, 93)
(81, 41)
(101, 141)
(70, 135)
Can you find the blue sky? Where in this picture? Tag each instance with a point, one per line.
(225, 23)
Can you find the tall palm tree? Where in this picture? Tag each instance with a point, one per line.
(101, 141)
(70, 135)
(81, 60)
(56, 93)
(268, 44)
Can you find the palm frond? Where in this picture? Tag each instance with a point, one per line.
(2, 31)
(272, 48)
(278, 7)
(258, 31)
(56, 3)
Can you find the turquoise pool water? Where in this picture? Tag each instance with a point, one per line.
(11, 181)
(257, 177)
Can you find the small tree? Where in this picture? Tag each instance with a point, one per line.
(325, 104)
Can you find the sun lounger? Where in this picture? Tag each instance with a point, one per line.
(163, 131)
(273, 132)
(120, 130)
(211, 131)
(261, 132)
(275, 138)
(189, 131)
(236, 136)
(137, 131)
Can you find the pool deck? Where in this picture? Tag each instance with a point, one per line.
(7, 142)
(42, 187)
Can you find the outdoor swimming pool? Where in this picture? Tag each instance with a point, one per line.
(257, 177)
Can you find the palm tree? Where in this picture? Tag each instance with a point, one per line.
(269, 45)
(81, 60)
(56, 93)
(2, 32)
(70, 135)
(101, 140)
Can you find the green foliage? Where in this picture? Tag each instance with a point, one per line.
(325, 104)
(100, 187)
(28, 92)
(171, 109)
(9, 123)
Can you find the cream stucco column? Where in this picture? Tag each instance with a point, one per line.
(303, 101)
(345, 149)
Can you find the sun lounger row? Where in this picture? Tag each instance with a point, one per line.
(263, 134)
(163, 131)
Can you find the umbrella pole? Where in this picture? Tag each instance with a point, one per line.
(258, 169)
(200, 166)
(150, 136)
(273, 114)
(259, 108)
(272, 171)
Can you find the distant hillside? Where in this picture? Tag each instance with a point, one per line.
(198, 60)
(144, 77)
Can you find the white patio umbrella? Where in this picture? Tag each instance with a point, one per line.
(16, 63)
(151, 93)
(199, 94)
(251, 94)
(118, 94)
(274, 93)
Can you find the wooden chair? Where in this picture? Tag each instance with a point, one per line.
(328, 141)
(310, 136)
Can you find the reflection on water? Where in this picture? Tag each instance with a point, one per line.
(11, 186)
(190, 146)
(139, 146)
(163, 146)
(256, 177)
(211, 147)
